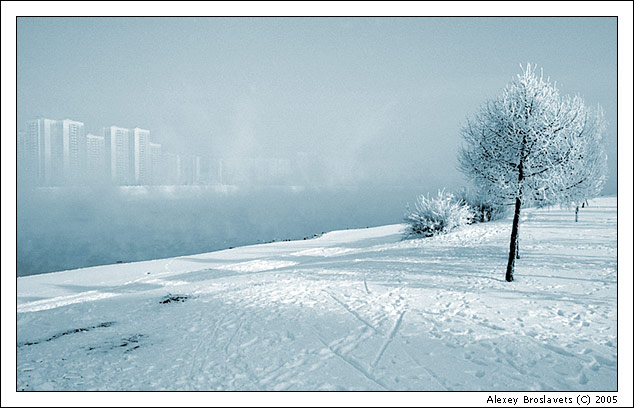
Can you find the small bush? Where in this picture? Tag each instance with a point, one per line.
(437, 215)
(484, 210)
(169, 298)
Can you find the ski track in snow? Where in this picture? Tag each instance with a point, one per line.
(350, 310)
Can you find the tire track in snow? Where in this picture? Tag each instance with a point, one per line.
(388, 340)
(352, 312)
(353, 363)
(438, 380)
(197, 363)
(233, 335)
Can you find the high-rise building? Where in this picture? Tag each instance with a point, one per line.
(43, 151)
(74, 151)
(141, 143)
(172, 168)
(156, 175)
(96, 158)
(119, 154)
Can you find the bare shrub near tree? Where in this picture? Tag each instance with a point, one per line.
(436, 215)
(484, 208)
(531, 145)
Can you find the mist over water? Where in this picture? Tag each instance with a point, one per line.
(364, 105)
(67, 228)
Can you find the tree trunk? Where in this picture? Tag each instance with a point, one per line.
(517, 244)
(577, 214)
(513, 250)
(510, 267)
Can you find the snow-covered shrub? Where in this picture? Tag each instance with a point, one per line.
(436, 215)
(483, 209)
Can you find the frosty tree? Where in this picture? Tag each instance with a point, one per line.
(531, 145)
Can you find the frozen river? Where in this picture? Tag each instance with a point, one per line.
(66, 228)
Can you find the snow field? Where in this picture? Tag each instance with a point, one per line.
(350, 310)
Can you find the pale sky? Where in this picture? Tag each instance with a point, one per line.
(373, 100)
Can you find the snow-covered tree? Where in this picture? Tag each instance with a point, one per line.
(484, 208)
(588, 174)
(531, 145)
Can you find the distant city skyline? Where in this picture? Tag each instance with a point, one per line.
(376, 100)
(60, 153)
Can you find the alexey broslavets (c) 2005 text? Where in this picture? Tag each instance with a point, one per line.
(494, 399)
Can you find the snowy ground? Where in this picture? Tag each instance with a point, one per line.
(351, 310)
